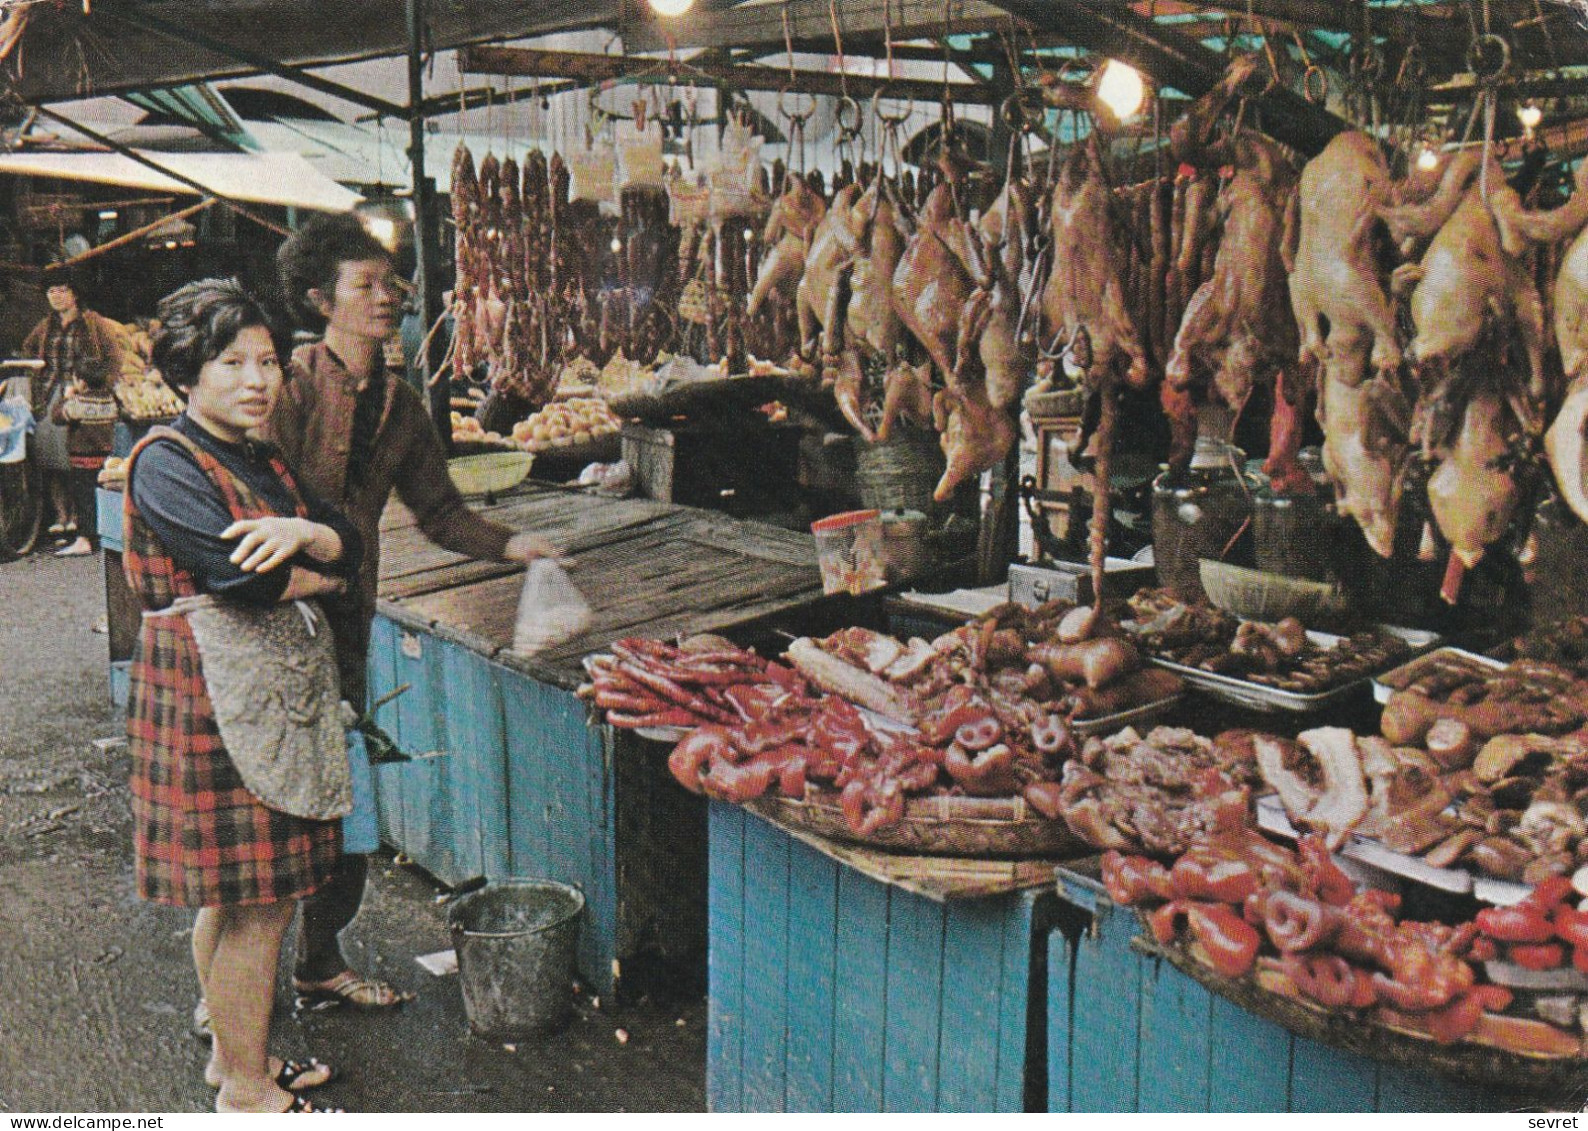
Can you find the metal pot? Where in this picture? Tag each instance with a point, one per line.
(904, 546)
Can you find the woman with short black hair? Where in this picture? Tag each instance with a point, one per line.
(212, 513)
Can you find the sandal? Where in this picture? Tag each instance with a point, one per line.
(348, 988)
(303, 1105)
(302, 1075)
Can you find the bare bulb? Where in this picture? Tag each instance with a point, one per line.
(1427, 159)
(384, 230)
(1530, 116)
(1121, 89)
(671, 7)
(617, 245)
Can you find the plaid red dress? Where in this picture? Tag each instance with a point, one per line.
(200, 839)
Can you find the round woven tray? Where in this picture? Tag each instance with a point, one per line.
(1539, 1076)
(937, 826)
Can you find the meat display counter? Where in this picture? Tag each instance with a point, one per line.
(529, 785)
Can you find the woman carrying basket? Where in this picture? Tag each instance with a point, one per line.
(226, 553)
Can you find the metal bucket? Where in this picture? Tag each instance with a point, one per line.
(515, 941)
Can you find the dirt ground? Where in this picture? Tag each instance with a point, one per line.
(96, 987)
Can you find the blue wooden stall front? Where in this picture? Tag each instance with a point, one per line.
(520, 783)
(1128, 1032)
(524, 784)
(830, 990)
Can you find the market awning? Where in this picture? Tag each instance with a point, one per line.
(113, 46)
(255, 178)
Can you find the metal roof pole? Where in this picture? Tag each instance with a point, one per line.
(427, 244)
(143, 159)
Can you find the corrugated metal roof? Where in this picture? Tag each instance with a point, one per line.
(255, 178)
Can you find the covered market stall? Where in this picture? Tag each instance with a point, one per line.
(1081, 506)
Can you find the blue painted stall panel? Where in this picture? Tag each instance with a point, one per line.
(832, 991)
(474, 773)
(1129, 1032)
(559, 807)
(382, 679)
(107, 518)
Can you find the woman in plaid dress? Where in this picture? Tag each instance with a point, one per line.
(208, 511)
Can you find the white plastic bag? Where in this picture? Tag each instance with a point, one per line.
(550, 609)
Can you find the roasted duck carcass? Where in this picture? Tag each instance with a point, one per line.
(1565, 439)
(1239, 324)
(1474, 491)
(788, 234)
(871, 320)
(1468, 284)
(975, 435)
(931, 285)
(1364, 452)
(992, 318)
(819, 296)
(1338, 293)
(1085, 288)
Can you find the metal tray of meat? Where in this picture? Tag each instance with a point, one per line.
(1262, 697)
(1386, 685)
(1383, 862)
(1113, 724)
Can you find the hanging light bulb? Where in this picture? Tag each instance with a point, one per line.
(1530, 116)
(1121, 89)
(1427, 159)
(671, 7)
(617, 245)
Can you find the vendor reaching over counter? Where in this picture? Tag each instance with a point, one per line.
(356, 432)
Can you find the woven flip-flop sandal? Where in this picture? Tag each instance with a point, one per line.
(304, 1105)
(348, 988)
(302, 1075)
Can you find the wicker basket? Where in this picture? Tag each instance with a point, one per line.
(900, 474)
(1253, 594)
(932, 826)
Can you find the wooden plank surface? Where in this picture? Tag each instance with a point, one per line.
(1252, 1061)
(388, 778)
(725, 961)
(814, 965)
(861, 1016)
(1108, 1014)
(939, 878)
(647, 568)
(973, 993)
(1025, 915)
(765, 1005)
(1176, 1041)
(1061, 1019)
(916, 971)
(1331, 1079)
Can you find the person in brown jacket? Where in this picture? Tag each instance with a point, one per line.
(355, 432)
(79, 351)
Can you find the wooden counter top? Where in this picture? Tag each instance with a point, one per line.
(646, 568)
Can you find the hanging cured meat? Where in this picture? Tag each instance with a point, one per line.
(787, 237)
(991, 320)
(931, 286)
(1239, 324)
(1474, 490)
(819, 297)
(1085, 288)
(1364, 453)
(1338, 292)
(1468, 284)
(871, 321)
(1565, 439)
